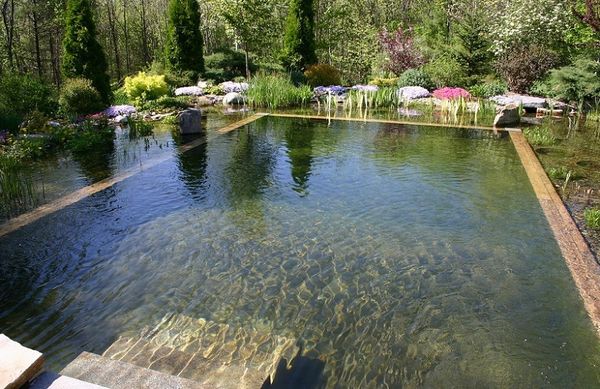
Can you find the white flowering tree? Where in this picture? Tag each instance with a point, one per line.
(520, 22)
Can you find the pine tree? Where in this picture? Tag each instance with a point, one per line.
(183, 49)
(83, 55)
(299, 41)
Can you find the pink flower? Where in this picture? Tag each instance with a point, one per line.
(448, 93)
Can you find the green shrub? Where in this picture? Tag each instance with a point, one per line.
(274, 91)
(446, 71)
(226, 64)
(168, 102)
(322, 75)
(488, 89)
(415, 77)
(213, 90)
(143, 87)
(542, 87)
(21, 95)
(540, 136)
(384, 82)
(592, 218)
(79, 97)
(578, 82)
(120, 97)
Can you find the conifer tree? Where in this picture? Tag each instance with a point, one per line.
(83, 55)
(184, 45)
(299, 41)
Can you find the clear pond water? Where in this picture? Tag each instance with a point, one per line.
(401, 256)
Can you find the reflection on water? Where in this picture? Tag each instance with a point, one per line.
(412, 257)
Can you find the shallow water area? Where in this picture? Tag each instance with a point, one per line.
(399, 255)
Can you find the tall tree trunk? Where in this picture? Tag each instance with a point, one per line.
(126, 36)
(113, 35)
(36, 38)
(8, 17)
(145, 49)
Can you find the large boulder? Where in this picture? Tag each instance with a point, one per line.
(190, 121)
(234, 98)
(189, 91)
(529, 103)
(507, 116)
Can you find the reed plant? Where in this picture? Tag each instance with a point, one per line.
(277, 91)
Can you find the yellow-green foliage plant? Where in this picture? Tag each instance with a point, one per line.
(143, 87)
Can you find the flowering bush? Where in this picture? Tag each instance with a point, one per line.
(412, 92)
(116, 110)
(3, 137)
(451, 93)
(189, 91)
(143, 87)
(322, 74)
(335, 90)
(400, 50)
(238, 87)
(366, 88)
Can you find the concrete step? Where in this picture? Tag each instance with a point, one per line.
(211, 353)
(18, 364)
(115, 374)
(48, 380)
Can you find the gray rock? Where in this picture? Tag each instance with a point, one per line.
(120, 119)
(530, 103)
(507, 116)
(189, 121)
(205, 101)
(233, 98)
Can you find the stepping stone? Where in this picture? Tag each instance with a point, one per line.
(114, 374)
(48, 380)
(18, 364)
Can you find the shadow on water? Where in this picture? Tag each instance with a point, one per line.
(193, 163)
(303, 373)
(299, 149)
(97, 164)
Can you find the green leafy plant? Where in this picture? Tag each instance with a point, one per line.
(592, 218)
(384, 82)
(488, 89)
(93, 135)
(213, 90)
(540, 136)
(20, 95)
(445, 70)
(562, 172)
(276, 91)
(322, 75)
(415, 77)
(144, 87)
(79, 97)
(578, 82)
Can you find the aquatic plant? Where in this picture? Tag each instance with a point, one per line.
(139, 128)
(540, 136)
(16, 184)
(592, 218)
(562, 173)
(274, 91)
(367, 98)
(92, 134)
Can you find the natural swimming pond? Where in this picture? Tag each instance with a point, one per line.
(398, 255)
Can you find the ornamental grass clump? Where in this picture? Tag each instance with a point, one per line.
(275, 91)
(592, 218)
(540, 136)
(369, 96)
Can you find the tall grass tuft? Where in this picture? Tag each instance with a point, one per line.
(16, 185)
(276, 91)
(540, 136)
(369, 99)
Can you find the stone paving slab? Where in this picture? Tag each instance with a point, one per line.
(18, 364)
(48, 380)
(121, 375)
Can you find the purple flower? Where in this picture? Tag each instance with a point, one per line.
(238, 87)
(116, 110)
(3, 137)
(189, 91)
(335, 90)
(412, 92)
